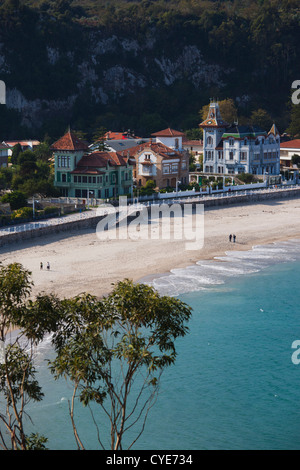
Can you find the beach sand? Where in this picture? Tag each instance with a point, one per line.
(81, 262)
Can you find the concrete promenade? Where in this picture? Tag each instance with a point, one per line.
(89, 219)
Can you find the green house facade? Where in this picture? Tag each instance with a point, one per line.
(80, 173)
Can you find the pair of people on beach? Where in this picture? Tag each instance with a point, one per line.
(48, 265)
(232, 237)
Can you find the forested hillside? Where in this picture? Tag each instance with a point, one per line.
(143, 65)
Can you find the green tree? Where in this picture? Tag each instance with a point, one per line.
(261, 118)
(228, 110)
(114, 351)
(17, 149)
(18, 384)
(294, 126)
(296, 160)
(16, 199)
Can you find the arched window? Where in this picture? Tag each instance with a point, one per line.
(209, 140)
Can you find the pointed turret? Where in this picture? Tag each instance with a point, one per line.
(214, 118)
(273, 130)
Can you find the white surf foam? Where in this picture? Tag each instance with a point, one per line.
(206, 274)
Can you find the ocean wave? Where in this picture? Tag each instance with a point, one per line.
(206, 274)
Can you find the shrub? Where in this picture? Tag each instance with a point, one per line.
(50, 210)
(23, 213)
(16, 199)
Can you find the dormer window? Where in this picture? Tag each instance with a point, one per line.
(231, 141)
(176, 143)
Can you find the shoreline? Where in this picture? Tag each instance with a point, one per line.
(80, 262)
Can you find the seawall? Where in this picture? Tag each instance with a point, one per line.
(15, 237)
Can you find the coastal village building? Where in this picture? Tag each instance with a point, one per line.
(4, 153)
(195, 147)
(234, 149)
(84, 174)
(162, 159)
(25, 144)
(287, 150)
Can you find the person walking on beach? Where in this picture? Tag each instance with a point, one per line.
(41, 265)
(230, 237)
(48, 266)
(234, 237)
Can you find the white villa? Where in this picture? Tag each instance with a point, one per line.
(233, 149)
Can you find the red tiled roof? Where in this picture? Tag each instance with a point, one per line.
(168, 133)
(118, 136)
(69, 142)
(192, 142)
(100, 160)
(3, 145)
(23, 143)
(156, 147)
(291, 144)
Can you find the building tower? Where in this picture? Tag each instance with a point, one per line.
(213, 128)
(67, 152)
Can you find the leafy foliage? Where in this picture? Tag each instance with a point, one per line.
(254, 41)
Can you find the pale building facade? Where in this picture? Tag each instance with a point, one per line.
(234, 149)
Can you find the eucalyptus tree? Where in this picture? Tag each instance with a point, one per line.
(18, 337)
(114, 351)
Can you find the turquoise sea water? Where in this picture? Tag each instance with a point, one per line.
(234, 385)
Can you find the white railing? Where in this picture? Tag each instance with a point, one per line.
(138, 205)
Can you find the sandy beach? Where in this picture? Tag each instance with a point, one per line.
(81, 262)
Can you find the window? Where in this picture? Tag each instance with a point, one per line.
(243, 156)
(231, 141)
(94, 179)
(79, 179)
(209, 140)
(166, 169)
(89, 179)
(75, 179)
(230, 155)
(77, 192)
(175, 168)
(63, 178)
(84, 179)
